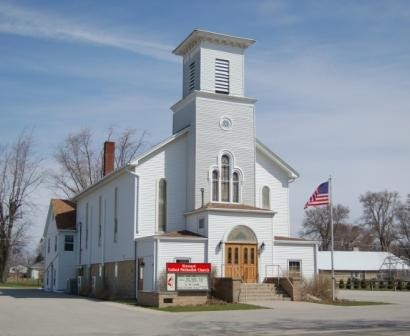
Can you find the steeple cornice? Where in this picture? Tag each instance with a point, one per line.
(197, 36)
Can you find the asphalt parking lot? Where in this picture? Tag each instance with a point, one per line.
(33, 312)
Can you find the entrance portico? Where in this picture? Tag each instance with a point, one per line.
(241, 257)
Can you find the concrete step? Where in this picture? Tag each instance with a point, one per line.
(261, 292)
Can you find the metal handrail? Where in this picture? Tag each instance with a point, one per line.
(280, 273)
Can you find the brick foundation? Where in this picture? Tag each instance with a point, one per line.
(227, 289)
(168, 299)
(105, 284)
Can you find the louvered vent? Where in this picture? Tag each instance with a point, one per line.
(192, 76)
(221, 76)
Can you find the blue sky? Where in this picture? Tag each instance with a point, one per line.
(332, 79)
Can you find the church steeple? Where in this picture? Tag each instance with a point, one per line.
(220, 117)
(213, 63)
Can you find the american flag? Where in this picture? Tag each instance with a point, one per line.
(320, 196)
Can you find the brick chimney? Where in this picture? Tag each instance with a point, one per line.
(109, 156)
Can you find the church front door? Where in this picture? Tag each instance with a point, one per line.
(241, 261)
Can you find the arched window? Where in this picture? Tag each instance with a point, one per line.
(162, 205)
(215, 185)
(241, 234)
(235, 181)
(225, 175)
(266, 197)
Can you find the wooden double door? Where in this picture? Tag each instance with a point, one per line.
(241, 261)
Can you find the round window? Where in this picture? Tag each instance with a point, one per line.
(225, 123)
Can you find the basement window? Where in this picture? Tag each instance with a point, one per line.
(221, 76)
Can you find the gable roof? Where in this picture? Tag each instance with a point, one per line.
(292, 173)
(133, 163)
(360, 261)
(64, 214)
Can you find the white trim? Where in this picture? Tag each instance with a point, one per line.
(295, 242)
(213, 96)
(292, 173)
(256, 211)
(232, 169)
(199, 35)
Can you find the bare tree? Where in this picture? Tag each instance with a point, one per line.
(403, 217)
(316, 224)
(379, 213)
(349, 236)
(80, 159)
(20, 175)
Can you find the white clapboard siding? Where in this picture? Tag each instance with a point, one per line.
(67, 260)
(234, 56)
(63, 262)
(169, 163)
(212, 140)
(190, 82)
(270, 174)
(145, 250)
(108, 250)
(283, 252)
(221, 223)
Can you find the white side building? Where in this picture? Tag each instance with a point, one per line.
(60, 245)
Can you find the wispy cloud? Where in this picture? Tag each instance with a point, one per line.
(32, 23)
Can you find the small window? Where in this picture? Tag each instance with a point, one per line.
(221, 76)
(183, 260)
(162, 205)
(192, 76)
(55, 244)
(68, 243)
(99, 220)
(115, 214)
(229, 255)
(201, 224)
(86, 225)
(266, 197)
(295, 268)
(48, 245)
(236, 255)
(235, 180)
(215, 185)
(226, 171)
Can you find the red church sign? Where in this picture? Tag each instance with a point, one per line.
(202, 268)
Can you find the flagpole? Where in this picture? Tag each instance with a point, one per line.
(332, 239)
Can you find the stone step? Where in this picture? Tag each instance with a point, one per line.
(262, 292)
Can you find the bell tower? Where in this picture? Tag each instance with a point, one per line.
(213, 63)
(220, 116)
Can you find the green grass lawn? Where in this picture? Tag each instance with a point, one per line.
(198, 308)
(26, 283)
(211, 307)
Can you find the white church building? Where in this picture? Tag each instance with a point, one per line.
(211, 192)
